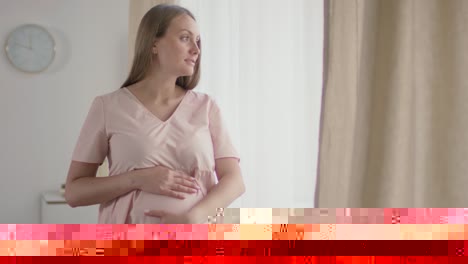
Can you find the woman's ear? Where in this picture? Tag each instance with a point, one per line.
(155, 47)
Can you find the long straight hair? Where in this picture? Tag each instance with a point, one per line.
(154, 25)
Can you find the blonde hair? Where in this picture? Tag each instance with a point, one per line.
(154, 25)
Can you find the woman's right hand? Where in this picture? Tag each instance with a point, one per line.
(164, 181)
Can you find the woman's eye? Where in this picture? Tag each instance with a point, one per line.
(185, 38)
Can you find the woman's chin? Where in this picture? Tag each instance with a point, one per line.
(186, 72)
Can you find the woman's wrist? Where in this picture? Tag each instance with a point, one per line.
(137, 177)
(134, 180)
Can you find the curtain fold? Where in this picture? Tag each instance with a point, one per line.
(394, 131)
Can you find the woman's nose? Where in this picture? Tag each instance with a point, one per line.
(195, 49)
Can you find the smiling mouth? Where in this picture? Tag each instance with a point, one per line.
(192, 62)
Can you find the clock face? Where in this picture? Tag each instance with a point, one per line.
(30, 48)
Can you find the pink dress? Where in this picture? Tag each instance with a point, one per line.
(120, 128)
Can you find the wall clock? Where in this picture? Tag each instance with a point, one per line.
(30, 48)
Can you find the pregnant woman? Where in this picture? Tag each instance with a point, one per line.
(170, 157)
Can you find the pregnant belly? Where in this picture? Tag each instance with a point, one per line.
(143, 201)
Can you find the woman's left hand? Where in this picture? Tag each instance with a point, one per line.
(167, 218)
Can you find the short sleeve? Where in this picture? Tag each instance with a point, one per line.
(92, 145)
(222, 144)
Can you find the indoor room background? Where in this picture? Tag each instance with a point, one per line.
(262, 62)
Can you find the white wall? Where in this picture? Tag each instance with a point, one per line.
(41, 114)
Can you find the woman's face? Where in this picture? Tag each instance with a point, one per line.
(177, 51)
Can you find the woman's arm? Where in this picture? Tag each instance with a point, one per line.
(230, 186)
(84, 188)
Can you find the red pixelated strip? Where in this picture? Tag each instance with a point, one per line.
(265, 248)
(301, 247)
(238, 259)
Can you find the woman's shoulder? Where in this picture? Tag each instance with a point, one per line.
(203, 98)
(111, 96)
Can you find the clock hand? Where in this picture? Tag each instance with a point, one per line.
(21, 45)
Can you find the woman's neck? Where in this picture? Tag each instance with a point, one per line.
(156, 89)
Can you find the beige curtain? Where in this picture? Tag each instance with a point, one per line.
(137, 10)
(394, 129)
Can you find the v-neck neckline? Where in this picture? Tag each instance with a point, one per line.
(151, 113)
